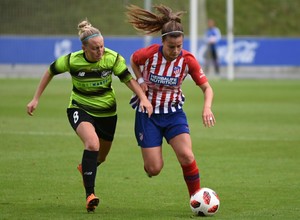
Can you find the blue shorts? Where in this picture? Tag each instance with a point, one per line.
(149, 132)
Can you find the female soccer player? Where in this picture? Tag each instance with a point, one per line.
(92, 110)
(160, 71)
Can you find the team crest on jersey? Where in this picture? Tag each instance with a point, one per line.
(103, 73)
(177, 69)
(81, 74)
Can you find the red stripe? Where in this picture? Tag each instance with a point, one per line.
(163, 93)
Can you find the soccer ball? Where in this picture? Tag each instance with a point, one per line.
(205, 202)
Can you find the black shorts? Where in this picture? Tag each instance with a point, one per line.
(105, 126)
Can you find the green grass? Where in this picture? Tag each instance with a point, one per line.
(251, 157)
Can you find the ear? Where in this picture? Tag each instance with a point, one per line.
(83, 47)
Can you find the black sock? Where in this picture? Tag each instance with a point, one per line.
(89, 170)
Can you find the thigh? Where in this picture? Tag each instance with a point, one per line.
(86, 132)
(182, 146)
(152, 157)
(76, 116)
(147, 133)
(176, 124)
(83, 125)
(106, 127)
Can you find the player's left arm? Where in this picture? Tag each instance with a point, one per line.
(208, 117)
(200, 79)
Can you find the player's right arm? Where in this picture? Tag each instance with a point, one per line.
(59, 66)
(138, 74)
(47, 77)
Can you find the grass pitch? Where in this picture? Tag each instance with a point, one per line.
(250, 158)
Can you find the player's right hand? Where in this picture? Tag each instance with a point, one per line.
(31, 107)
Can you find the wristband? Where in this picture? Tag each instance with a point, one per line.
(140, 80)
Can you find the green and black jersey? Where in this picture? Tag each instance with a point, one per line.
(92, 81)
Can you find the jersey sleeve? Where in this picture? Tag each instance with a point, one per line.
(120, 69)
(60, 65)
(195, 70)
(140, 56)
(137, 57)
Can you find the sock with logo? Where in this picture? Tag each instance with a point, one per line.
(191, 177)
(89, 170)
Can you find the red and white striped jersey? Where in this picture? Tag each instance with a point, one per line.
(164, 78)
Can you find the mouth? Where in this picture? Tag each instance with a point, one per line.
(174, 56)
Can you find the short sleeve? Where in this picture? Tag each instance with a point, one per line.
(60, 65)
(195, 70)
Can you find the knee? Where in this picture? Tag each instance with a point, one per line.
(186, 159)
(153, 170)
(92, 145)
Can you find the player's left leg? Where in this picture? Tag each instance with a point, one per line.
(104, 149)
(182, 147)
(215, 59)
(105, 128)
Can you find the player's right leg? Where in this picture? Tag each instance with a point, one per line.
(153, 161)
(91, 202)
(82, 124)
(87, 134)
(149, 138)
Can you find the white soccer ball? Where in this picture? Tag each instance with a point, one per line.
(205, 202)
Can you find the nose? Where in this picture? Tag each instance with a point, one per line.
(177, 51)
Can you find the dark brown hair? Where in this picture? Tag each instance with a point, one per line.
(166, 21)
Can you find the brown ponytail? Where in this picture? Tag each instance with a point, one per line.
(166, 21)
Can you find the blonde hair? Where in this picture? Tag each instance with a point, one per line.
(86, 31)
(166, 21)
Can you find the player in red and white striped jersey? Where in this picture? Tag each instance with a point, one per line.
(160, 70)
(164, 77)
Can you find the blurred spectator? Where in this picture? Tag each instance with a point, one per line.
(211, 38)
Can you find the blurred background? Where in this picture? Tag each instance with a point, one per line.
(266, 33)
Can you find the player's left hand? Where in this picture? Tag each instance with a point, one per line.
(208, 118)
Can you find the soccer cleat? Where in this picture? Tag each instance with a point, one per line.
(91, 203)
